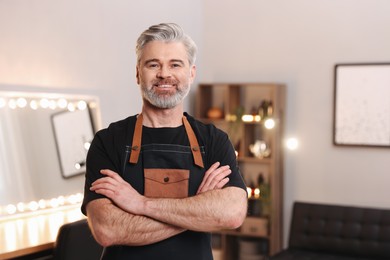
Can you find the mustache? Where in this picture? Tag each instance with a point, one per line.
(165, 82)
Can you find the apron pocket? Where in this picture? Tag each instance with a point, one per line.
(166, 183)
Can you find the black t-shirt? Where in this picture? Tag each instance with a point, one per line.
(108, 151)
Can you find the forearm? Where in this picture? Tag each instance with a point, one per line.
(112, 226)
(210, 211)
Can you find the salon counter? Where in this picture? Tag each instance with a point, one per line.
(33, 233)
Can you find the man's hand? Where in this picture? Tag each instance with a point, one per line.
(214, 178)
(119, 191)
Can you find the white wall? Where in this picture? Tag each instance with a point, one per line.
(83, 46)
(87, 47)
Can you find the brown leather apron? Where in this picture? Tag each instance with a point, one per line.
(169, 171)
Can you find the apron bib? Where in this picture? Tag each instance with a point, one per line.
(165, 170)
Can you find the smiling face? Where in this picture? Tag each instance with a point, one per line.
(164, 74)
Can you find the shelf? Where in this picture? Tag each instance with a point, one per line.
(216, 102)
(240, 234)
(252, 227)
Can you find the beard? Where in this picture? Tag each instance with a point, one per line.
(165, 99)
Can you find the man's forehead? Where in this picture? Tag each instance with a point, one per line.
(161, 50)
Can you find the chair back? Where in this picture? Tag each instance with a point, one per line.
(75, 242)
(340, 229)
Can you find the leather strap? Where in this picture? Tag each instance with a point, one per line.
(195, 148)
(136, 145)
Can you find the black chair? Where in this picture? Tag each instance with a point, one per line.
(75, 242)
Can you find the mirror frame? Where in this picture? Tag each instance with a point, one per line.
(69, 127)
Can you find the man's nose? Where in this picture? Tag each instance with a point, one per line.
(164, 72)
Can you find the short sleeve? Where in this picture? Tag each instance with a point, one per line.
(106, 152)
(97, 159)
(221, 150)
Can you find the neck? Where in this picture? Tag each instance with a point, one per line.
(162, 117)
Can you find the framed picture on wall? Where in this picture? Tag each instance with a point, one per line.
(362, 104)
(73, 131)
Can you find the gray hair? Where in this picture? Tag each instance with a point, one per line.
(167, 32)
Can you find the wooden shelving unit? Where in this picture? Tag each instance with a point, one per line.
(224, 105)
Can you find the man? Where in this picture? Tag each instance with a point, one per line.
(158, 183)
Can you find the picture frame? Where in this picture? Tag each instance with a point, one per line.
(73, 132)
(362, 104)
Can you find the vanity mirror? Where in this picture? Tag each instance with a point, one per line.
(44, 139)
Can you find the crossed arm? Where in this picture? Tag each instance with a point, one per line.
(128, 218)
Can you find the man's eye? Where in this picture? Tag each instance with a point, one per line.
(153, 65)
(176, 65)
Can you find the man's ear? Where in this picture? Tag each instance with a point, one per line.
(137, 74)
(192, 73)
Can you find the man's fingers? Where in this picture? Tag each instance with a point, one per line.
(108, 172)
(215, 185)
(222, 183)
(212, 168)
(207, 173)
(103, 183)
(109, 179)
(215, 178)
(110, 183)
(112, 174)
(217, 175)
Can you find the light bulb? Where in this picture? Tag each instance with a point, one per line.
(12, 103)
(20, 206)
(44, 103)
(62, 103)
(10, 209)
(87, 145)
(71, 107)
(34, 104)
(33, 206)
(2, 102)
(247, 118)
(21, 102)
(54, 203)
(257, 193)
(52, 104)
(292, 143)
(42, 203)
(249, 191)
(269, 123)
(82, 105)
